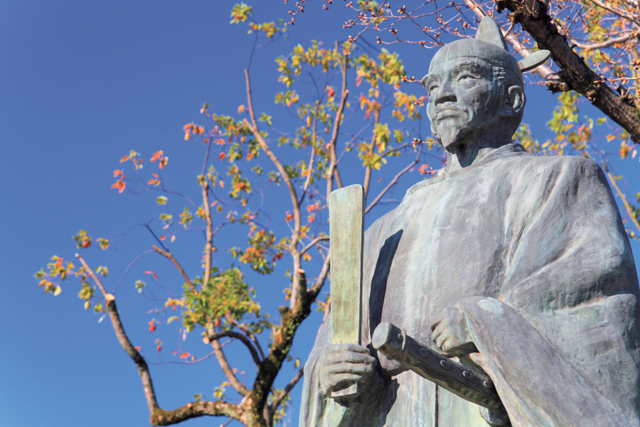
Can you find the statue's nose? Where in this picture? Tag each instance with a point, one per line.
(444, 93)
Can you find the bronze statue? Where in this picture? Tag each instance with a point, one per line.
(516, 266)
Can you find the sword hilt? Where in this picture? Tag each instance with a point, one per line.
(459, 379)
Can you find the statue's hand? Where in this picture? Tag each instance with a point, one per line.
(342, 365)
(451, 333)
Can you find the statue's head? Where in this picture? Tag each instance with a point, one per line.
(475, 86)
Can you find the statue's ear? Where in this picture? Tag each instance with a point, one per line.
(514, 101)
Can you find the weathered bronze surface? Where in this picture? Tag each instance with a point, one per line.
(517, 265)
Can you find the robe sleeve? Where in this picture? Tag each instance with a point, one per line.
(561, 341)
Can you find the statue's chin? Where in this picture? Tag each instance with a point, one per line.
(449, 136)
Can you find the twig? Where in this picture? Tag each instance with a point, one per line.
(626, 204)
(615, 11)
(394, 181)
(313, 243)
(222, 360)
(317, 286)
(251, 336)
(604, 44)
(175, 262)
(217, 335)
(278, 399)
(336, 127)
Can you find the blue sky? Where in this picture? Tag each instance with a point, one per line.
(81, 84)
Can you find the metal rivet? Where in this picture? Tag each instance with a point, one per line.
(487, 384)
(444, 364)
(468, 375)
(423, 352)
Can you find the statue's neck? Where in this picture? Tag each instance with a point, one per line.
(466, 153)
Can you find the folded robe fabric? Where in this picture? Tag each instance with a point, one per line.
(538, 239)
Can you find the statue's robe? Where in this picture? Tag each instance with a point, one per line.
(534, 252)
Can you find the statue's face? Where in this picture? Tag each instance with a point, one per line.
(463, 99)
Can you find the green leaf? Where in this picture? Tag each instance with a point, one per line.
(265, 118)
(139, 285)
(161, 200)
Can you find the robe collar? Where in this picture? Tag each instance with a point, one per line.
(507, 149)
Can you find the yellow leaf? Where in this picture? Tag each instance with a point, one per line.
(57, 291)
(171, 319)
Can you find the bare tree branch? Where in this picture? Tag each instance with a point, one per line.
(615, 11)
(250, 336)
(604, 44)
(344, 93)
(626, 204)
(394, 181)
(175, 262)
(141, 364)
(228, 372)
(278, 399)
(217, 335)
(313, 243)
(162, 417)
(317, 286)
(208, 248)
(536, 21)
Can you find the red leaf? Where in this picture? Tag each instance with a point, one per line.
(152, 328)
(184, 355)
(119, 185)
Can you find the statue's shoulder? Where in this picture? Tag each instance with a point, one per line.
(570, 165)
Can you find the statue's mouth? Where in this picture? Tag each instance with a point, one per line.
(446, 113)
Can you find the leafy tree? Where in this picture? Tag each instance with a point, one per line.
(355, 115)
(351, 115)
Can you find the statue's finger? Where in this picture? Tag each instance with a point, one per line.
(353, 368)
(437, 332)
(339, 348)
(341, 381)
(350, 357)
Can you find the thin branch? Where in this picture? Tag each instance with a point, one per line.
(228, 372)
(219, 408)
(317, 286)
(278, 399)
(626, 204)
(141, 364)
(313, 151)
(175, 262)
(253, 127)
(251, 336)
(604, 44)
(237, 335)
(336, 128)
(394, 181)
(313, 243)
(620, 13)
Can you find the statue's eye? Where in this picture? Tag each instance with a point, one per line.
(466, 76)
(432, 89)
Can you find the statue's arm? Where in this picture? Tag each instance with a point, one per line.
(565, 320)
